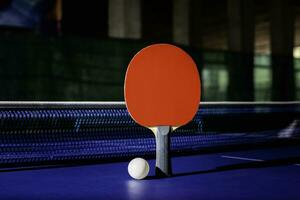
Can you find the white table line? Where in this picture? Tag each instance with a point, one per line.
(248, 159)
(242, 158)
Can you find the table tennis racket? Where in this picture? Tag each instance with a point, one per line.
(162, 93)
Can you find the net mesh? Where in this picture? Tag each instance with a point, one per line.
(52, 134)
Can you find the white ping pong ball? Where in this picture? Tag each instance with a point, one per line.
(138, 168)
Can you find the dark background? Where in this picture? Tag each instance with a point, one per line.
(246, 50)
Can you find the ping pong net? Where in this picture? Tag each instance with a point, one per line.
(38, 133)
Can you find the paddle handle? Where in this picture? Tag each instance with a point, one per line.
(163, 160)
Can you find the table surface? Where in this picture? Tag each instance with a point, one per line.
(252, 174)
